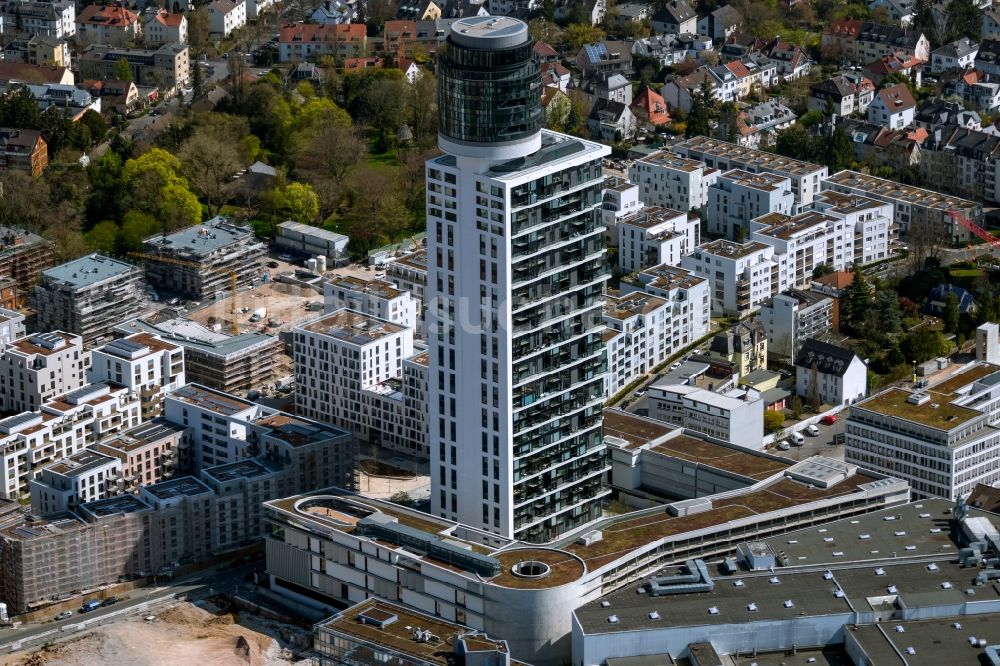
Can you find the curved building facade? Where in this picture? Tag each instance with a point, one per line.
(489, 90)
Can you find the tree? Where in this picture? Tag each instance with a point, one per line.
(94, 122)
(293, 201)
(123, 71)
(796, 143)
(922, 344)
(821, 270)
(20, 109)
(951, 314)
(964, 20)
(157, 187)
(136, 227)
(728, 129)
(209, 162)
(773, 421)
(103, 237)
(855, 302)
(923, 18)
(422, 112)
(326, 156)
(796, 407)
(382, 105)
(839, 151)
(199, 29)
(197, 81)
(577, 34)
(887, 305)
(702, 109)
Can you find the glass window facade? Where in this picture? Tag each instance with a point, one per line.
(488, 95)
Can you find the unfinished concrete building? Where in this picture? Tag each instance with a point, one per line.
(89, 296)
(198, 262)
(23, 256)
(227, 363)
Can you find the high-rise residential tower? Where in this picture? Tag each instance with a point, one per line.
(516, 270)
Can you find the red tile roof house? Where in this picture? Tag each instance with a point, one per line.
(650, 108)
(107, 24)
(307, 41)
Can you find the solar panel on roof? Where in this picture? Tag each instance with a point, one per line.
(20, 419)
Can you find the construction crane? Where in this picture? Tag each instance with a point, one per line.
(233, 279)
(974, 228)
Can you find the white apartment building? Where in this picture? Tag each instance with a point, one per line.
(741, 276)
(85, 476)
(826, 374)
(11, 326)
(65, 425)
(162, 27)
(806, 178)
(376, 298)
(868, 220)
(143, 363)
(734, 417)
(942, 440)
(671, 181)
(349, 372)
(687, 294)
(912, 207)
(738, 196)
(35, 369)
(51, 19)
(409, 273)
(222, 429)
(620, 199)
(224, 16)
(794, 316)
(655, 236)
(638, 337)
(516, 274)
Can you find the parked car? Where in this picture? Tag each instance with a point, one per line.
(796, 439)
(65, 615)
(91, 605)
(111, 601)
(639, 394)
(812, 430)
(783, 445)
(674, 366)
(273, 264)
(829, 419)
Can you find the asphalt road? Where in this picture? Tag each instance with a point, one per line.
(202, 584)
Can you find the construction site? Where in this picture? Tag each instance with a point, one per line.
(23, 256)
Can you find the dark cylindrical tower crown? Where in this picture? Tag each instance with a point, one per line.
(489, 89)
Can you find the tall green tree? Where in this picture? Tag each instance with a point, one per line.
(839, 150)
(964, 20)
(855, 302)
(123, 71)
(950, 316)
(923, 19)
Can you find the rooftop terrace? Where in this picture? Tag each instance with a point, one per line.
(184, 485)
(211, 400)
(80, 463)
(351, 326)
(883, 188)
(738, 154)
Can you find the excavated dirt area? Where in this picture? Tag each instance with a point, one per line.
(182, 634)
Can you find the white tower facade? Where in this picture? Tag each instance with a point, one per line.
(516, 272)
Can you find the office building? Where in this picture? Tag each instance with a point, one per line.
(226, 363)
(794, 316)
(741, 276)
(527, 593)
(85, 476)
(88, 297)
(654, 236)
(806, 178)
(376, 298)
(516, 272)
(35, 369)
(201, 262)
(735, 417)
(816, 595)
(144, 363)
(914, 208)
(671, 181)
(941, 439)
(739, 196)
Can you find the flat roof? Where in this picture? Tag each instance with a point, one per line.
(883, 188)
(736, 153)
(143, 435)
(192, 335)
(138, 345)
(390, 625)
(636, 303)
(765, 180)
(184, 485)
(416, 260)
(309, 230)
(242, 469)
(80, 463)
(668, 277)
(669, 160)
(885, 569)
(928, 642)
(296, 430)
(636, 430)
(351, 326)
(729, 249)
(375, 287)
(556, 148)
(652, 216)
(797, 224)
(90, 270)
(210, 399)
(200, 240)
(847, 203)
(114, 505)
(44, 343)
(938, 413)
(733, 459)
